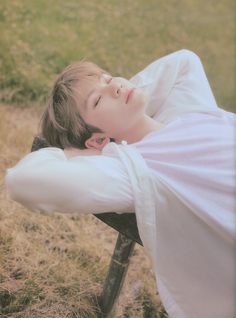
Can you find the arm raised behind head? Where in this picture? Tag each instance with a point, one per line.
(47, 181)
(176, 84)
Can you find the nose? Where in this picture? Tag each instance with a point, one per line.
(114, 89)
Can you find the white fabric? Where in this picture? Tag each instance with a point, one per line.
(176, 84)
(46, 181)
(185, 205)
(188, 228)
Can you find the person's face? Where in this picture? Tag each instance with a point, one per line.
(113, 104)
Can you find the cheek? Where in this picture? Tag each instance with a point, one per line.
(103, 118)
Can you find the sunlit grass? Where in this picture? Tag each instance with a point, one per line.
(39, 38)
(55, 266)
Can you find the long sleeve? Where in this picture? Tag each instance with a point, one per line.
(183, 181)
(46, 181)
(176, 84)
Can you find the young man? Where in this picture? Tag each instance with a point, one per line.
(88, 105)
(178, 174)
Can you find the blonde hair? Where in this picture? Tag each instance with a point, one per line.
(61, 123)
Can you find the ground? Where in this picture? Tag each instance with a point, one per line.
(54, 266)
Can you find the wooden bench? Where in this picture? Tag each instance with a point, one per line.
(128, 235)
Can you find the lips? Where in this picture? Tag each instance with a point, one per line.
(130, 92)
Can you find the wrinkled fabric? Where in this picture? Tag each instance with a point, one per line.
(47, 181)
(177, 84)
(180, 181)
(183, 183)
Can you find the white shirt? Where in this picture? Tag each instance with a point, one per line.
(184, 211)
(184, 189)
(183, 181)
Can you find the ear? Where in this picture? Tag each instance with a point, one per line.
(97, 141)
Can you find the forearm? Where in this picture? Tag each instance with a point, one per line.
(47, 181)
(176, 83)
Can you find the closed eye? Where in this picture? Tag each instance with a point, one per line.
(98, 100)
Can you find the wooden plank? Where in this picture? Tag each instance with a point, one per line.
(124, 223)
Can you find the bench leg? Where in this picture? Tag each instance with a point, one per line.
(116, 274)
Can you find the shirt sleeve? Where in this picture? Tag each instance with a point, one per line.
(46, 181)
(176, 84)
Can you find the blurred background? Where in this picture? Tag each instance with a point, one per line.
(54, 266)
(38, 39)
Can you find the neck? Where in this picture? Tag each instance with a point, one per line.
(137, 132)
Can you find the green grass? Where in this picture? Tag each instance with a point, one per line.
(39, 38)
(49, 266)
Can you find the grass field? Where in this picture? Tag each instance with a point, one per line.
(55, 266)
(39, 38)
(49, 265)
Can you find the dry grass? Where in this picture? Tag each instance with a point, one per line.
(54, 266)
